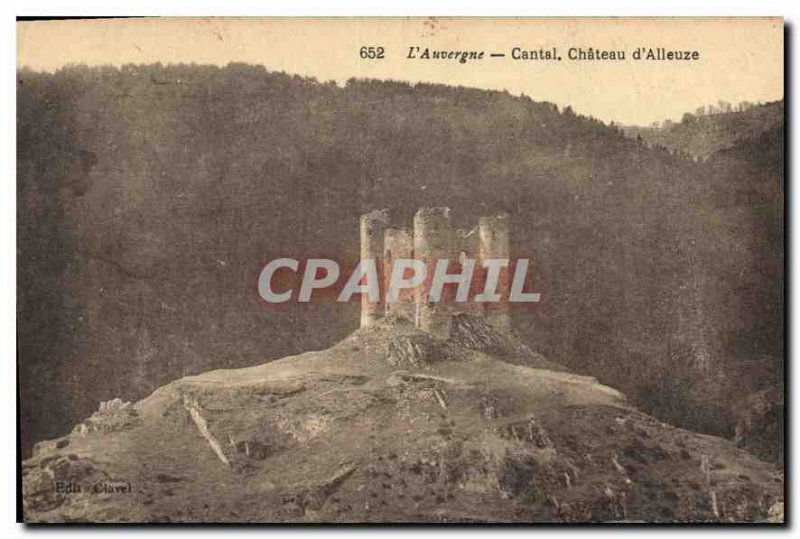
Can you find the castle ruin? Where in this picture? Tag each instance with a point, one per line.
(431, 239)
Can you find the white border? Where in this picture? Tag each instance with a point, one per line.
(786, 8)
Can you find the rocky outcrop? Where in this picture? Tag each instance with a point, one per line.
(112, 416)
(475, 333)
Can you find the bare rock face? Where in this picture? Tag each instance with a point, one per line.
(414, 350)
(474, 333)
(391, 425)
(112, 416)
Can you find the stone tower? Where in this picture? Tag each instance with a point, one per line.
(431, 243)
(373, 225)
(494, 244)
(432, 239)
(398, 244)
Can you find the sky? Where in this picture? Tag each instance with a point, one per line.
(740, 59)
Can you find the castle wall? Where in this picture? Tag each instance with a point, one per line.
(494, 241)
(372, 226)
(432, 241)
(398, 243)
(466, 244)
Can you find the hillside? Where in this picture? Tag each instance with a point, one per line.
(362, 433)
(151, 196)
(702, 135)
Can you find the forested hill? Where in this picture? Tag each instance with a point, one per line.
(711, 129)
(150, 197)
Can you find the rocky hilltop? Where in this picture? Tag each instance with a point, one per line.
(391, 425)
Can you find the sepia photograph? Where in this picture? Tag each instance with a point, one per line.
(401, 270)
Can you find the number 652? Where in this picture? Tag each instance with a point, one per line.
(372, 53)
